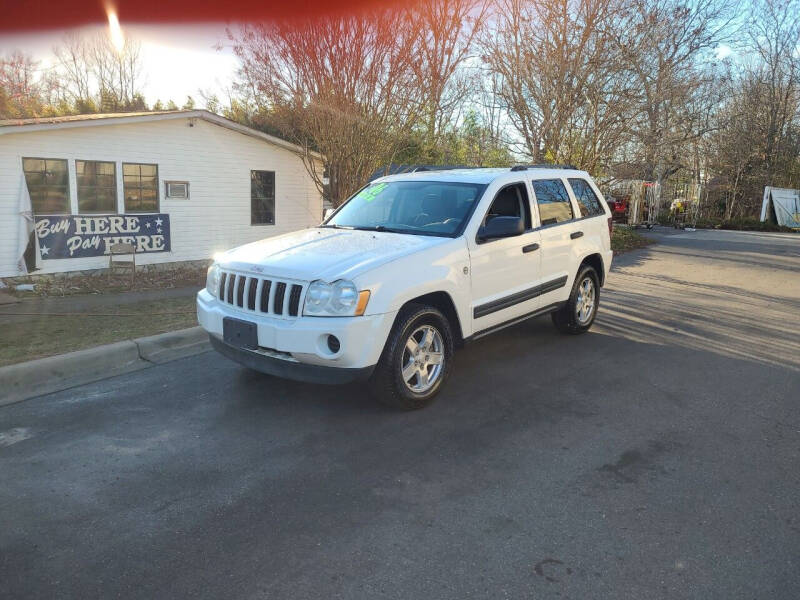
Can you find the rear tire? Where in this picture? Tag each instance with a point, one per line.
(416, 360)
(579, 312)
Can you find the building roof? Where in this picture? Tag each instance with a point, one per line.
(8, 126)
(89, 117)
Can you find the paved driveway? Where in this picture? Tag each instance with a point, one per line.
(656, 457)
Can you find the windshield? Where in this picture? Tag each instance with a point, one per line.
(417, 207)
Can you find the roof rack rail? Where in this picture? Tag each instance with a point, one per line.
(396, 169)
(542, 166)
(418, 168)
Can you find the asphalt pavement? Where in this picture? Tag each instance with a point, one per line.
(657, 456)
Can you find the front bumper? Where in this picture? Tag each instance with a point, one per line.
(302, 340)
(286, 369)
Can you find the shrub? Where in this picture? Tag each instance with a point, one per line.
(740, 224)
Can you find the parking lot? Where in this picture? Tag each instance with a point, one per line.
(657, 456)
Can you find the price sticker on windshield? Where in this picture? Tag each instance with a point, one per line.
(369, 194)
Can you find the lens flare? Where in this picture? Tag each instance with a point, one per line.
(117, 38)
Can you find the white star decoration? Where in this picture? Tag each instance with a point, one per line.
(159, 222)
(44, 250)
(147, 225)
(158, 230)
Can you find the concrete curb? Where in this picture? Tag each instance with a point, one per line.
(172, 345)
(55, 373)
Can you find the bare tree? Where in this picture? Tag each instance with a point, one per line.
(627, 86)
(667, 43)
(74, 66)
(774, 38)
(341, 86)
(562, 81)
(758, 142)
(21, 87)
(445, 32)
(96, 74)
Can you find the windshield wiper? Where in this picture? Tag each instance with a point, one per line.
(332, 226)
(385, 229)
(382, 228)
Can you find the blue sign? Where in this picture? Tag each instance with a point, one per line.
(78, 236)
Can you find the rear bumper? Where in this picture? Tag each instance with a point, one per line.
(289, 369)
(608, 256)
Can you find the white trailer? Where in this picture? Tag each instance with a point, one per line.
(781, 206)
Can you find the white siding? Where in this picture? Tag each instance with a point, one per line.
(214, 160)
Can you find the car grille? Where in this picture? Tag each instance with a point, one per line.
(264, 295)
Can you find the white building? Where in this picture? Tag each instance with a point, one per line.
(180, 185)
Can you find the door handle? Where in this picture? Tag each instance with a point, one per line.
(575, 235)
(530, 248)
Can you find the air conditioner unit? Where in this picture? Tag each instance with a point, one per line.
(178, 189)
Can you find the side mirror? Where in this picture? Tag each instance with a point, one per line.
(327, 213)
(501, 227)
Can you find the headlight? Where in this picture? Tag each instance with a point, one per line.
(317, 297)
(338, 299)
(212, 280)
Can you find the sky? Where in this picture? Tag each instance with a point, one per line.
(177, 60)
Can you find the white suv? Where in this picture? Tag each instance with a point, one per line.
(407, 269)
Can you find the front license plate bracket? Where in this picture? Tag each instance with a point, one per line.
(238, 333)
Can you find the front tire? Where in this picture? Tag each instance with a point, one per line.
(579, 312)
(416, 360)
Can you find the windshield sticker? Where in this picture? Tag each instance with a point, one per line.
(368, 194)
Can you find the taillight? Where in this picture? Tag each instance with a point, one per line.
(610, 225)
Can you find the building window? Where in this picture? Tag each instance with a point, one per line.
(48, 185)
(553, 201)
(97, 186)
(140, 187)
(262, 197)
(587, 200)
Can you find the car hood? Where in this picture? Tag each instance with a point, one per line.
(324, 253)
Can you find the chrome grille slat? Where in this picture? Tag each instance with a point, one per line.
(240, 283)
(280, 296)
(262, 294)
(294, 299)
(266, 296)
(229, 291)
(223, 280)
(259, 289)
(271, 299)
(252, 283)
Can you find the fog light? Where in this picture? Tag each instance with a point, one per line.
(333, 344)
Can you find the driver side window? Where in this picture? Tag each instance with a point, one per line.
(511, 201)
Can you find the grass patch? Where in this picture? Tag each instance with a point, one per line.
(624, 239)
(30, 337)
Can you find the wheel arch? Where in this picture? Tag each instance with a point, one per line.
(443, 302)
(596, 262)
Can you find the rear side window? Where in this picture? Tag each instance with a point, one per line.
(587, 200)
(553, 201)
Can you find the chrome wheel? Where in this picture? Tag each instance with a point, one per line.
(423, 359)
(584, 303)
